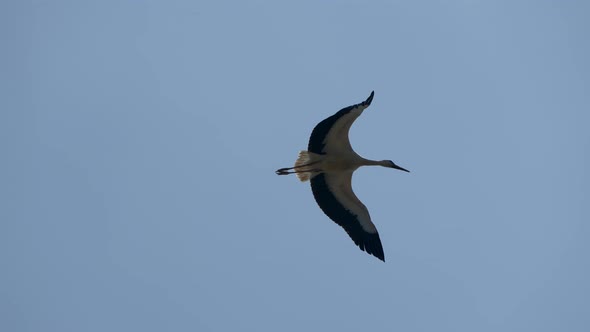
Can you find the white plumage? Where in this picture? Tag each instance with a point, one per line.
(329, 163)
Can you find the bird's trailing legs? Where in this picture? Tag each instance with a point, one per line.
(296, 169)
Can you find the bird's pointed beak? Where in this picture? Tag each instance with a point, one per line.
(400, 168)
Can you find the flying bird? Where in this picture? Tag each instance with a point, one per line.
(328, 164)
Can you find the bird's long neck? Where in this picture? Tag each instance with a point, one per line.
(368, 162)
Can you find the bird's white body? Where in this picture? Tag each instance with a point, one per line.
(341, 162)
(329, 164)
(348, 161)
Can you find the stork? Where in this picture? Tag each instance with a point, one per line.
(328, 164)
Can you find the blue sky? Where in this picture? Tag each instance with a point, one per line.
(140, 140)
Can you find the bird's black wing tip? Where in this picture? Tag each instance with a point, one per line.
(379, 254)
(377, 249)
(371, 243)
(370, 99)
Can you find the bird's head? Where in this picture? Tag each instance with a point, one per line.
(391, 164)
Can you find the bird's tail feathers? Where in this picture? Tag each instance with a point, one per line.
(304, 165)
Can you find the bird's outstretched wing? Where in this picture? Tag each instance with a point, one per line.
(331, 135)
(333, 193)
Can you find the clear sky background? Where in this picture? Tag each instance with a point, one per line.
(140, 140)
